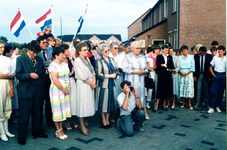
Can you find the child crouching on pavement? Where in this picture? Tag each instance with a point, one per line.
(130, 110)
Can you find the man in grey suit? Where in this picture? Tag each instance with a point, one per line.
(47, 58)
(31, 76)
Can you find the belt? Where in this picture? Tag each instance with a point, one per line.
(219, 72)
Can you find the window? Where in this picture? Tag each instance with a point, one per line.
(174, 5)
(160, 12)
(151, 19)
(154, 17)
(165, 9)
(170, 37)
(175, 40)
(159, 42)
(143, 25)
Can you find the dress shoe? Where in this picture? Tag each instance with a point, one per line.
(165, 109)
(155, 110)
(21, 141)
(105, 127)
(109, 125)
(41, 135)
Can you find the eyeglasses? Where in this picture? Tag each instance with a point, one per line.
(107, 51)
(44, 42)
(116, 48)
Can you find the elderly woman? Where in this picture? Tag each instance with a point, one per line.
(197, 48)
(134, 67)
(85, 85)
(118, 59)
(176, 64)
(68, 59)
(6, 92)
(59, 91)
(185, 78)
(165, 84)
(106, 74)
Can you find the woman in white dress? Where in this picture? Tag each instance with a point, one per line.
(85, 85)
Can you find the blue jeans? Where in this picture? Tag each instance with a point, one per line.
(201, 80)
(126, 121)
(218, 86)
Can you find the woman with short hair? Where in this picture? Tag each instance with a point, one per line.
(106, 74)
(59, 91)
(185, 78)
(85, 85)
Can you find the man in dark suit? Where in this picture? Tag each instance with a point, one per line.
(202, 75)
(31, 76)
(47, 58)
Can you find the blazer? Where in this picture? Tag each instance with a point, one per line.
(27, 85)
(176, 64)
(101, 70)
(208, 59)
(49, 57)
(160, 60)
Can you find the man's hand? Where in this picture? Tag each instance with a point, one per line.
(127, 91)
(34, 75)
(134, 92)
(113, 75)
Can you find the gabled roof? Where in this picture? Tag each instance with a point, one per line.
(139, 17)
(69, 38)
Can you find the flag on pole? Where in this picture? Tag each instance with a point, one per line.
(17, 24)
(81, 20)
(45, 20)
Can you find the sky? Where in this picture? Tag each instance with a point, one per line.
(102, 17)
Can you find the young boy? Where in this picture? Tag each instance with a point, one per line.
(214, 51)
(219, 65)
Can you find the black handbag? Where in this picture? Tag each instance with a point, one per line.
(149, 83)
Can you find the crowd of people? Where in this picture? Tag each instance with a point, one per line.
(78, 81)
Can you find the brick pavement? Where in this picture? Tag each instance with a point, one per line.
(178, 129)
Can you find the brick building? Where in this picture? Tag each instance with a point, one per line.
(94, 38)
(180, 22)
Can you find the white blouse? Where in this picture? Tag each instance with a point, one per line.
(6, 66)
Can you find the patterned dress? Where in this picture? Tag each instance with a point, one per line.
(186, 83)
(60, 103)
(130, 63)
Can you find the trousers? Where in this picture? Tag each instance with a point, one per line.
(126, 121)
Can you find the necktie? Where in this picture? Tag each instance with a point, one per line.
(44, 56)
(202, 64)
(34, 64)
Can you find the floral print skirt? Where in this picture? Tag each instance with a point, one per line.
(186, 86)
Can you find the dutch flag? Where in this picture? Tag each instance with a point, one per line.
(45, 20)
(17, 24)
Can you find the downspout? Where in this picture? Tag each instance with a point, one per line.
(178, 5)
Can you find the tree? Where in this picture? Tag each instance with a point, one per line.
(4, 39)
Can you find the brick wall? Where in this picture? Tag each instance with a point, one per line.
(202, 21)
(158, 32)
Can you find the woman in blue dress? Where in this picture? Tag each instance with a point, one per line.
(106, 73)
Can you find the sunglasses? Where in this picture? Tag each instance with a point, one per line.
(107, 51)
(116, 48)
(44, 42)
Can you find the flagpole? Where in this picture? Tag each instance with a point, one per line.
(78, 26)
(52, 19)
(26, 25)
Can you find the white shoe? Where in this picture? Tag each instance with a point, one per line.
(211, 110)
(112, 120)
(148, 106)
(2, 132)
(6, 129)
(147, 117)
(218, 109)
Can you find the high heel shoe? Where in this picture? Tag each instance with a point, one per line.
(86, 134)
(68, 128)
(190, 107)
(60, 137)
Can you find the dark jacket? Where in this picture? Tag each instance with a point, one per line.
(27, 85)
(208, 59)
